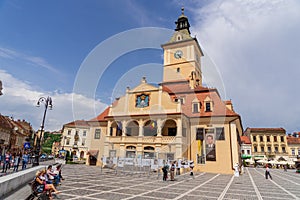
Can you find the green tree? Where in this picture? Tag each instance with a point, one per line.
(48, 141)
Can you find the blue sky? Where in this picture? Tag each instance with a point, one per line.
(251, 50)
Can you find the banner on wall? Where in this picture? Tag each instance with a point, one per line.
(210, 146)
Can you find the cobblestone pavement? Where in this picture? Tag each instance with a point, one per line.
(90, 182)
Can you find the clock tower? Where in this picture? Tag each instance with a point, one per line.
(182, 55)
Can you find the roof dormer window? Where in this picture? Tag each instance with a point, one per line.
(179, 99)
(196, 105)
(208, 104)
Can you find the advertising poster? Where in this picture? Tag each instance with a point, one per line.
(210, 147)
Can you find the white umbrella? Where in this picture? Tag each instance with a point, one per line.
(272, 162)
(249, 161)
(291, 162)
(281, 162)
(262, 161)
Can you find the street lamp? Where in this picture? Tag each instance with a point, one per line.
(48, 105)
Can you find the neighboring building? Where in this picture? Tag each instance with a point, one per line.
(13, 134)
(55, 148)
(268, 143)
(5, 132)
(246, 147)
(75, 138)
(177, 119)
(293, 141)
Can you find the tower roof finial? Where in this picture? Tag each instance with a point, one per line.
(182, 10)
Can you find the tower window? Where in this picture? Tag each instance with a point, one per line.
(178, 69)
(179, 37)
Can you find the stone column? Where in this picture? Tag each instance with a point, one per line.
(123, 128)
(141, 130)
(159, 127)
(108, 128)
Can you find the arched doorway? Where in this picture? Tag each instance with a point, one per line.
(93, 154)
(81, 154)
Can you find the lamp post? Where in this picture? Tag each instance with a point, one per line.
(48, 105)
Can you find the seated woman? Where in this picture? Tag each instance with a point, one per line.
(40, 178)
(58, 172)
(52, 176)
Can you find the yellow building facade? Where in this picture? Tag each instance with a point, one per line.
(268, 143)
(178, 119)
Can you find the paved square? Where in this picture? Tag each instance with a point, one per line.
(90, 182)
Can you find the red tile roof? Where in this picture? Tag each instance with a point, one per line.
(77, 123)
(293, 140)
(201, 93)
(245, 139)
(182, 89)
(5, 123)
(101, 116)
(266, 129)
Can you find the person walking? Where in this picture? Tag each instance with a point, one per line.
(25, 159)
(165, 172)
(191, 168)
(267, 173)
(6, 162)
(172, 171)
(16, 162)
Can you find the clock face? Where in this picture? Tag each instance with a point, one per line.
(178, 54)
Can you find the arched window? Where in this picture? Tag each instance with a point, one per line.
(132, 129)
(116, 128)
(149, 152)
(150, 128)
(169, 128)
(148, 148)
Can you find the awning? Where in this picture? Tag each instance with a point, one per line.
(246, 156)
(93, 153)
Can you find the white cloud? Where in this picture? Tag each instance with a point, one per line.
(255, 46)
(19, 101)
(33, 60)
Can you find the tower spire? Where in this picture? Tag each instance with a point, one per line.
(182, 22)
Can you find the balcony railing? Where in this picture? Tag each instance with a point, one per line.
(144, 139)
